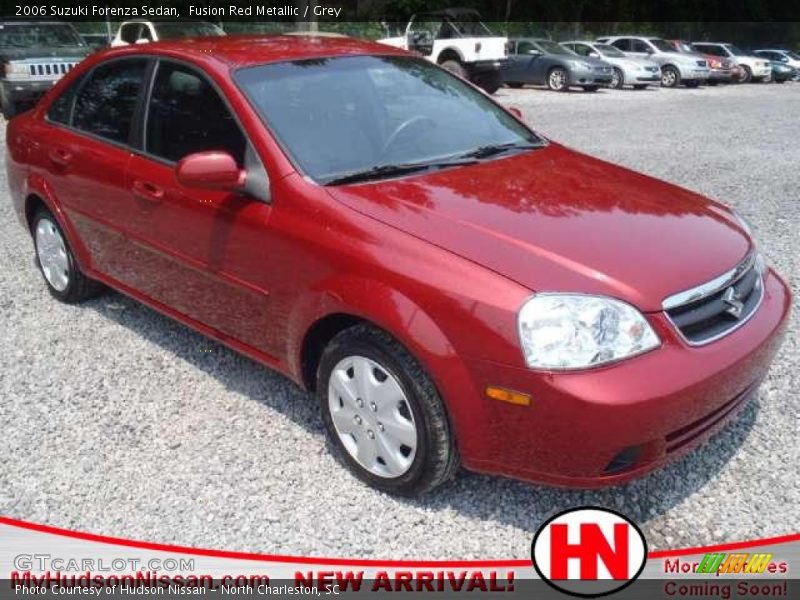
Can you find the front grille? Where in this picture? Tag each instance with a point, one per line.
(651, 69)
(55, 69)
(701, 63)
(712, 310)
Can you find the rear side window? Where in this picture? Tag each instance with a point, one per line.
(130, 32)
(639, 46)
(623, 44)
(187, 115)
(106, 102)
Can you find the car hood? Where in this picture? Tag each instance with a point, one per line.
(556, 220)
(14, 53)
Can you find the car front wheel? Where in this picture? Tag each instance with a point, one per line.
(384, 414)
(558, 79)
(617, 79)
(57, 263)
(670, 77)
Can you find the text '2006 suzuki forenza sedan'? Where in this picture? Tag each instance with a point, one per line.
(455, 288)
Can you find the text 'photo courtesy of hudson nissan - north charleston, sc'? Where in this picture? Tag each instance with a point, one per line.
(454, 288)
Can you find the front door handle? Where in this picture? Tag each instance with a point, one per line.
(147, 191)
(60, 156)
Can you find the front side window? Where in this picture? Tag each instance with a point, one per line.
(341, 115)
(551, 47)
(187, 115)
(106, 102)
(623, 44)
(661, 45)
(581, 49)
(640, 46)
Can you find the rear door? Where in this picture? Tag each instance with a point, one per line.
(83, 149)
(205, 254)
(522, 64)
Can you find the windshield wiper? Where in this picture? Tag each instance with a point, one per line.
(493, 149)
(396, 170)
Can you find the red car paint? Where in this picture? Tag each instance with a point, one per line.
(442, 261)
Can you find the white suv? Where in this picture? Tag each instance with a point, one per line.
(754, 68)
(676, 67)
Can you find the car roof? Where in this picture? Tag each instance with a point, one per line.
(249, 50)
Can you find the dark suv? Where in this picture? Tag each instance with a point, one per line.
(34, 57)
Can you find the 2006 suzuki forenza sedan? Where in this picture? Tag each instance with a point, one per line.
(455, 288)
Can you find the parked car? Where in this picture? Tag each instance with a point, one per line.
(544, 62)
(636, 72)
(753, 67)
(35, 55)
(787, 57)
(96, 41)
(781, 72)
(719, 69)
(676, 68)
(453, 287)
(141, 31)
(459, 41)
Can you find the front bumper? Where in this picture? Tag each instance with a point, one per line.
(581, 76)
(608, 425)
(26, 91)
(693, 73)
(720, 75)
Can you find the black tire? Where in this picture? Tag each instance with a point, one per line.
(591, 88)
(640, 86)
(693, 84)
(455, 67)
(514, 84)
(558, 79)
(747, 74)
(436, 457)
(7, 105)
(489, 82)
(617, 79)
(780, 81)
(670, 77)
(79, 287)
(712, 82)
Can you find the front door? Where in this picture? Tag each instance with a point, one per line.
(203, 253)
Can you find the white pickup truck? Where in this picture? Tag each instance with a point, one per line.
(457, 40)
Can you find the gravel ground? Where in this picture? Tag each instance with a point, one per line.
(117, 420)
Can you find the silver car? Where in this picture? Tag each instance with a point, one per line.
(676, 68)
(628, 70)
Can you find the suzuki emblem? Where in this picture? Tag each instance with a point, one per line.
(735, 306)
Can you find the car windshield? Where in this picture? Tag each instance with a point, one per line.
(38, 34)
(735, 51)
(340, 116)
(169, 31)
(549, 47)
(662, 45)
(609, 51)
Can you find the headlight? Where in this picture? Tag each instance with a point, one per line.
(571, 331)
(15, 70)
(760, 262)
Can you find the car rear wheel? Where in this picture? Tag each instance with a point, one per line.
(558, 79)
(384, 414)
(57, 263)
(670, 77)
(455, 67)
(489, 82)
(617, 79)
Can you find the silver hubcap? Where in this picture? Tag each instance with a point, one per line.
(668, 78)
(557, 79)
(615, 79)
(52, 253)
(372, 416)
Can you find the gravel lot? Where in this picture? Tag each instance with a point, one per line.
(118, 421)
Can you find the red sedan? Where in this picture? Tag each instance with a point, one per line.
(455, 288)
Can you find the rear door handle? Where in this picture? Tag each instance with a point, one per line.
(147, 191)
(60, 156)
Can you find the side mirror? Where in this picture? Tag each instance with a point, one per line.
(210, 171)
(515, 111)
